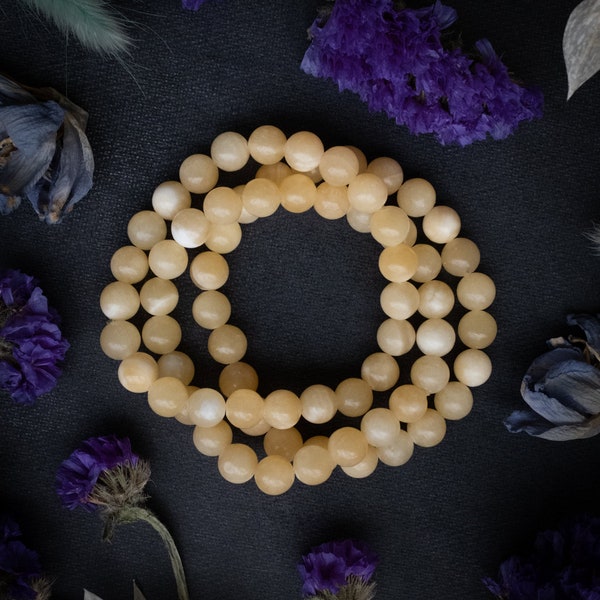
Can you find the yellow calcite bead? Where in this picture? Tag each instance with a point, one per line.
(230, 151)
(441, 224)
(319, 403)
(222, 205)
(211, 309)
(224, 238)
(472, 367)
(396, 337)
(120, 339)
(146, 228)
(276, 173)
(168, 259)
(389, 171)
(198, 173)
(380, 427)
(365, 467)
(400, 300)
(209, 270)
(303, 151)
(167, 396)
(380, 371)
(347, 446)
(358, 220)
(212, 441)
(176, 364)
(430, 373)
(477, 329)
(318, 440)
(476, 291)
(313, 465)
(390, 226)
(244, 408)
(460, 256)
(331, 201)
(429, 430)
(137, 372)
(354, 397)
(398, 263)
(119, 300)
(169, 198)
(237, 376)
(430, 263)
(257, 430)
(282, 409)
(408, 403)
(237, 463)
(338, 166)
(436, 299)
(129, 264)
(206, 407)
(274, 475)
(298, 193)
(227, 344)
(416, 196)
(266, 144)
(182, 416)
(435, 337)
(190, 228)
(367, 193)
(398, 452)
(283, 442)
(161, 334)
(360, 156)
(261, 197)
(159, 296)
(412, 235)
(454, 402)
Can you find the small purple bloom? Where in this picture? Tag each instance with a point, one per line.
(562, 387)
(327, 567)
(192, 4)
(77, 476)
(31, 343)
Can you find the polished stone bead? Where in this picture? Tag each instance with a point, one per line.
(119, 300)
(237, 376)
(227, 344)
(159, 296)
(120, 339)
(169, 198)
(429, 430)
(129, 264)
(283, 442)
(168, 259)
(230, 151)
(416, 196)
(267, 144)
(380, 371)
(237, 463)
(198, 173)
(274, 475)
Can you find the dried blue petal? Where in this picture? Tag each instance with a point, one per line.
(590, 324)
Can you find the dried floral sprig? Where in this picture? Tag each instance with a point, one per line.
(31, 342)
(105, 474)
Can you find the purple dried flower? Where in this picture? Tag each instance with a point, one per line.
(396, 61)
(192, 4)
(329, 566)
(31, 343)
(562, 566)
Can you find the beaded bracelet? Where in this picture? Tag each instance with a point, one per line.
(298, 174)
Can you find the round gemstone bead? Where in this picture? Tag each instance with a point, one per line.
(237, 463)
(365, 467)
(331, 201)
(441, 224)
(298, 193)
(137, 372)
(400, 300)
(380, 427)
(222, 205)
(146, 228)
(358, 220)
(390, 226)
(429, 261)
(212, 441)
(244, 408)
(303, 151)
(347, 446)
(454, 401)
(398, 263)
(261, 197)
(319, 403)
(129, 264)
(266, 144)
(282, 409)
(313, 465)
(190, 228)
(167, 396)
(408, 403)
(227, 344)
(237, 376)
(416, 196)
(367, 193)
(472, 367)
(198, 173)
(169, 198)
(230, 151)
(176, 364)
(398, 452)
(161, 334)
(211, 309)
(224, 238)
(206, 407)
(436, 299)
(338, 166)
(275, 173)
(477, 329)
(283, 442)
(354, 397)
(209, 270)
(435, 337)
(460, 256)
(429, 430)
(159, 296)
(257, 430)
(380, 371)
(476, 291)
(120, 339)
(430, 373)
(274, 475)
(396, 337)
(119, 300)
(389, 171)
(168, 259)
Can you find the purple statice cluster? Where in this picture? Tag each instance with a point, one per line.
(562, 566)
(397, 61)
(31, 343)
(20, 568)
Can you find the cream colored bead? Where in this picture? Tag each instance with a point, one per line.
(411, 237)
(454, 401)
(367, 193)
(159, 296)
(476, 291)
(441, 224)
(129, 264)
(408, 403)
(161, 334)
(436, 299)
(396, 337)
(169, 198)
(398, 452)
(435, 337)
(303, 151)
(354, 397)
(168, 259)
(211, 309)
(313, 465)
(338, 166)
(222, 205)
(237, 463)
(266, 144)
(380, 427)
(257, 430)
(190, 228)
(176, 364)
(400, 300)
(318, 440)
(380, 371)
(460, 256)
(244, 408)
(347, 446)
(274, 475)
(275, 173)
(237, 376)
(472, 367)
(119, 301)
(137, 372)
(389, 171)
(246, 217)
(206, 407)
(331, 201)
(398, 263)
(298, 193)
(477, 329)
(282, 409)
(283, 442)
(167, 396)
(390, 226)
(416, 196)
(430, 263)
(261, 197)
(319, 403)
(365, 467)
(227, 344)
(209, 271)
(146, 228)
(314, 175)
(430, 373)
(198, 173)
(224, 238)
(429, 430)
(120, 339)
(182, 416)
(359, 221)
(212, 441)
(230, 151)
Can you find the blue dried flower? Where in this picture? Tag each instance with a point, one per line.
(31, 343)
(44, 153)
(396, 61)
(331, 565)
(562, 387)
(562, 566)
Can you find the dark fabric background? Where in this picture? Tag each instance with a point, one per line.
(306, 293)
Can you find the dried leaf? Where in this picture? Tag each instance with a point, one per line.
(89, 596)
(581, 44)
(137, 594)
